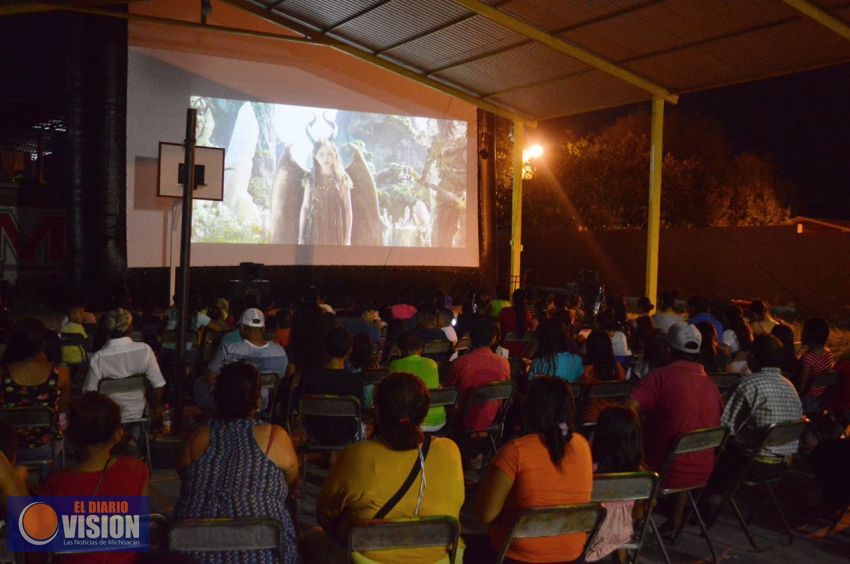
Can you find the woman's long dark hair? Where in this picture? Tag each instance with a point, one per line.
(549, 403)
(26, 339)
(518, 305)
(734, 320)
(708, 347)
(402, 402)
(552, 342)
(617, 441)
(786, 335)
(599, 353)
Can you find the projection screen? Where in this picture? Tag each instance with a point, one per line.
(346, 179)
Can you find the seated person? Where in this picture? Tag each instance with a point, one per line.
(30, 380)
(121, 357)
(553, 357)
(478, 367)
(367, 321)
(713, 356)
(73, 325)
(600, 366)
(445, 318)
(94, 426)
(548, 454)
(674, 400)
(239, 467)
(815, 360)
(332, 379)
(368, 475)
(426, 325)
(266, 356)
(426, 370)
(761, 399)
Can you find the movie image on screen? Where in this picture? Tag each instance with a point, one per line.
(297, 175)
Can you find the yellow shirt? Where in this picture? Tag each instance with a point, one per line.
(73, 355)
(369, 473)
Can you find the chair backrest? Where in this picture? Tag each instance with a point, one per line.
(329, 406)
(491, 392)
(28, 417)
(783, 432)
(443, 397)
(699, 440)
(624, 486)
(513, 337)
(134, 383)
(608, 390)
(268, 380)
(219, 535)
(391, 534)
(374, 375)
(725, 381)
(463, 345)
(437, 348)
(542, 522)
(71, 340)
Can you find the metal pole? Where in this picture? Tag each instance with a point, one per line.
(653, 222)
(516, 208)
(185, 259)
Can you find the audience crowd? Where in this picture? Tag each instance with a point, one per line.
(253, 363)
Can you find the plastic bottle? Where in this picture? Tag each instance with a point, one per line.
(166, 419)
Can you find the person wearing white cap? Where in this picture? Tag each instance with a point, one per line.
(676, 399)
(265, 355)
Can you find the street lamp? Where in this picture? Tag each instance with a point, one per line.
(529, 154)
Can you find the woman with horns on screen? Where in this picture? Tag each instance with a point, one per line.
(334, 205)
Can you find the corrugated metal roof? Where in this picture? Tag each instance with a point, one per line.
(679, 45)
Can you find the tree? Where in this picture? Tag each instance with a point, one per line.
(600, 181)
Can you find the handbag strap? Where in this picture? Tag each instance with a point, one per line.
(414, 472)
(100, 478)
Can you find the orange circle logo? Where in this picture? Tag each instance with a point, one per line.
(38, 523)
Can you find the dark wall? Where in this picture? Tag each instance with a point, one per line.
(810, 271)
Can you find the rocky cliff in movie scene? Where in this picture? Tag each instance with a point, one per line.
(314, 176)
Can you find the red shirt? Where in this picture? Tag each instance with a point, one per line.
(674, 400)
(127, 476)
(402, 311)
(476, 368)
(507, 324)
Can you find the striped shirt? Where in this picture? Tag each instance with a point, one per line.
(818, 364)
(267, 358)
(760, 400)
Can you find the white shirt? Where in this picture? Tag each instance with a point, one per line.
(120, 358)
(451, 334)
(620, 344)
(666, 319)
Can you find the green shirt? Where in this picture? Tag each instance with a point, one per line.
(497, 305)
(426, 370)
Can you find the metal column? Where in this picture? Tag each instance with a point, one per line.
(516, 208)
(653, 222)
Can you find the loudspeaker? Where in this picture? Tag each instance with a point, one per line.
(252, 271)
(240, 290)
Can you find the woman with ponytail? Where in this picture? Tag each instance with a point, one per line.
(549, 465)
(369, 480)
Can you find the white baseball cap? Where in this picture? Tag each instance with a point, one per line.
(252, 317)
(684, 337)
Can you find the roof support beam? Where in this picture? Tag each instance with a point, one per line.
(561, 45)
(317, 37)
(653, 218)
(821, 16)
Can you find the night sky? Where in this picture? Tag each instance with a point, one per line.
(802, 120)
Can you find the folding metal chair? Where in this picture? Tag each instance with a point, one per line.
(134, 383)
(415, 532)
(775, 435)
(501, 392)
(226, 535)
(540, 522)
(726, 382)
(269, 386)
(628, 486)
(446, 398)
(699, 440)
(337, 407)
(36, 418)
(615, 391)
(438, 351)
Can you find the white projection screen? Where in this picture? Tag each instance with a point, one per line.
(315, 172)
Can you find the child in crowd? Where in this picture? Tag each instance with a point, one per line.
(73, 325)
(617, 447)
(815, 360)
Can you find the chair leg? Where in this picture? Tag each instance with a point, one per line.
(654, 528)
(146, 431)
(781, 514)
(703, 527)
(744, 524)
(754, 513)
